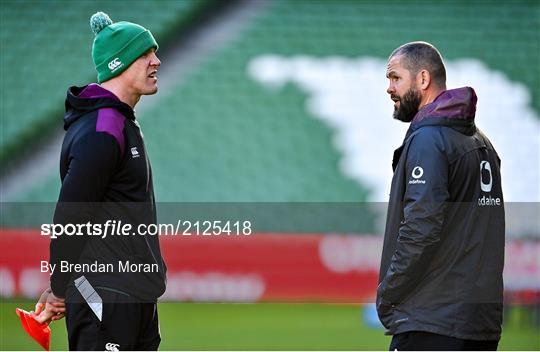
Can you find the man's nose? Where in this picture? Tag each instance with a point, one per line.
(390, 89)
(155, 60)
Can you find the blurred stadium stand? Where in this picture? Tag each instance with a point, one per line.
(46, 48)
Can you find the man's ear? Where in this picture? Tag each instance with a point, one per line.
(423, 79)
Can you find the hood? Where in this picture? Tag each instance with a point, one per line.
(455, 108)
(82, 100)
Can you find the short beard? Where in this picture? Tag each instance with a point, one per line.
(408, 105)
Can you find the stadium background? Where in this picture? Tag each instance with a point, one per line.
(232, 124)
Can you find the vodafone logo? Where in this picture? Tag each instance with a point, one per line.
(485, 166)
(417, 172)
(114, 64)
(485, 170)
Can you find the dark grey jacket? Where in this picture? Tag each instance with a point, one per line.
(443, 254)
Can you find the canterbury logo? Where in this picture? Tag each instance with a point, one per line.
(114, 64)
(486, 187)
(112, 347)
(134, 152)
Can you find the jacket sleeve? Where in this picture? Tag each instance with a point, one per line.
(93, 160)
(424, 203)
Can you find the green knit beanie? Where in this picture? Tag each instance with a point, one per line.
(117, 45)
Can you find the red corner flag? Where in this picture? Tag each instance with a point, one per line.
(41, 333)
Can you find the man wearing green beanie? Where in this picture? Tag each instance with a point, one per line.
(107, 179)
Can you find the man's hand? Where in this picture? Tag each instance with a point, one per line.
(49, 307)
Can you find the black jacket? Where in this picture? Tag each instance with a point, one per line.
(106, 175)
(443, 254)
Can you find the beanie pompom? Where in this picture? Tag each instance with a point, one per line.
(98, 21)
